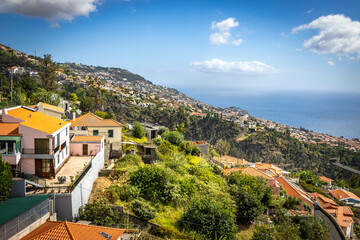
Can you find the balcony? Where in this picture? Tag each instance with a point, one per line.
(39, 153)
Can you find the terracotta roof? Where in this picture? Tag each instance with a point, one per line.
(325, 179)
(269, 166)
(294, 191)
(37, 120)
(91, 120)
(51, 107)
(9, 129)
(53, 230)
(87, 139)
(248, 171)
(323, 201)
(233, 160)
(342, 194)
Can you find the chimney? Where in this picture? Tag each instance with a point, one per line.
(41, 108)
(74, 116)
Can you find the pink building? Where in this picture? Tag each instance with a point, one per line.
(86, 145)
(44, 143)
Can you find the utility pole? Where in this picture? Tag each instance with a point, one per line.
(1, 93)
(12, 73)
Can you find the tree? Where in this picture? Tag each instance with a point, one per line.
(161, 130)
(86, 104)
(100, 114)
(174, 137)
(291, 202)
(180, 127)
(5, 180)
(48, 78)
(248, 206)
(28, 85)
(99, 212)
(212, 216)
(222, 147)
(262, 232)
(138, 130)
(313, 228)
(73, 102)
(46, 97)
(286, 231)
(213, 153)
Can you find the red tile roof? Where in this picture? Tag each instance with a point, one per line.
(9, 129)
(293, 191)
(342, 194)
(325, 179)
(91, 120)
(53, 230)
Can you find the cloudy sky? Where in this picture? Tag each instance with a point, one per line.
(248, 47)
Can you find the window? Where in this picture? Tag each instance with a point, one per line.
(10, 148)
(46, 165)
(111, 133)
(58, 159)
(95, 132)
(67, 150)
(2, 147)
(66, 133)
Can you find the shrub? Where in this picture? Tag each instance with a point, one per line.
(291, 202)
(212, 216)
(152, 181)
(313, 228)
(174, 137)
(143, 210)
(248, 206)
(129, 159)
(161, 130)
(125, 193)
(99, 212)
(5, 180)
(262, 232)
(138, 130)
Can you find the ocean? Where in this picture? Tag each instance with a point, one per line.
(334, 114)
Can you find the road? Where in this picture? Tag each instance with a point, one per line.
(346, 167)
(333, 230)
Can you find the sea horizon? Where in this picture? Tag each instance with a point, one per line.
(336, 114)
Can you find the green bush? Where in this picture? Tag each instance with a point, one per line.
(263, 232)
(291, 202)
(125, 193)
(212, 216)
(313, 228)
(174, 137)
(5, 180)
(161, 130)
(143, 210)
(99, 212)
(138, 130)
(129, 160)
(152, 181)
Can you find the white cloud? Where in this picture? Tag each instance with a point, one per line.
(309, 11)
(330, 63)
(337, 35)
(222, 33)
(283, 35)
(221, 66)
(51, 10)
(224, 25)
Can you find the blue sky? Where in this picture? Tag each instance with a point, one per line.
(248, 47)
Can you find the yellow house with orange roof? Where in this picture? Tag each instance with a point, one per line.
(44, 143)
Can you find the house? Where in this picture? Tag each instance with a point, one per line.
(151, 130)
(10, 144)
(343, 195)
(325, 179)
(342, 214)
(295, 191)
(54, 230)
(44, 142)
(269, 168)
(232, 161)
(92, 125)
(48, 109)
(19, 216)
(86, 145)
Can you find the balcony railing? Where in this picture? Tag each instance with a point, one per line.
(39, 151)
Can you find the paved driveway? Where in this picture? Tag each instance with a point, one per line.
(333, 231)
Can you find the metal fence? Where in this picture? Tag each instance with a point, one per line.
(24, 220)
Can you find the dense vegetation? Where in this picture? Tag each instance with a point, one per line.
(5, 180)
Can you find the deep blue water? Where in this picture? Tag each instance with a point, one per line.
(334, 114)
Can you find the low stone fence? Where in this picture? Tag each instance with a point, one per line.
(332, 219)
